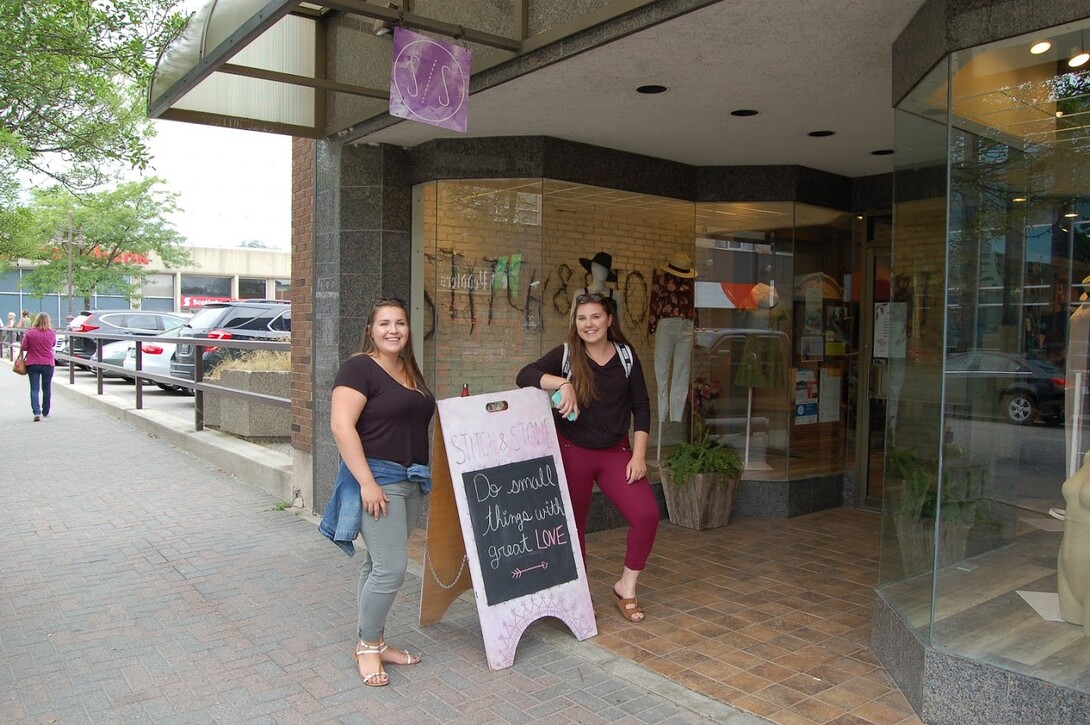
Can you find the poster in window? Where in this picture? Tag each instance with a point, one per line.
(880, 342)
(829, 404)
(806, 397)
(836, 326)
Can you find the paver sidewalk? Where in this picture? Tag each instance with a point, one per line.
(140, 584)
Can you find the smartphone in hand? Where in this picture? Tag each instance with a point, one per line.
(555, 397)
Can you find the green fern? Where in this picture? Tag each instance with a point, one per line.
(703, 455)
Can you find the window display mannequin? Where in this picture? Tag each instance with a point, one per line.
(1073, 563)
(671, 317)
(1078, 347)
(601, 271)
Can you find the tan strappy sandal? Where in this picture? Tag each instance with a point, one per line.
(372, 679)
(410, 659)
(629, 608)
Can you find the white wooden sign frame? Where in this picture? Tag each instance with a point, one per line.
(478, 435)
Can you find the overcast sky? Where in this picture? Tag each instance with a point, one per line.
(233, 185)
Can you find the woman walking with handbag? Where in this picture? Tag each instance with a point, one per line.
(36, 349)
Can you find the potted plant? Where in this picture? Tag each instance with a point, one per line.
(700, 480)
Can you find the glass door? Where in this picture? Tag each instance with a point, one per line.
(879, 378)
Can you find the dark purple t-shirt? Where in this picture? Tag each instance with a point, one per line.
(394, 423)
(604, 422)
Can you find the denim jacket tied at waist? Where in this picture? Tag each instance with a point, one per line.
(344, 512)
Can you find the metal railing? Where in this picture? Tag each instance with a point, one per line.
(10, 345)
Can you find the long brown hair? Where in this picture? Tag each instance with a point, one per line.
(414, 379)
(582, 379)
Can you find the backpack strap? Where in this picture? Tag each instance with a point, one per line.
(623, 351)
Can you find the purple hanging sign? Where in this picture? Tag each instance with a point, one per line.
(429, 81)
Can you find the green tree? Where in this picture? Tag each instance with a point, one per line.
(72, 79)
(121, 229)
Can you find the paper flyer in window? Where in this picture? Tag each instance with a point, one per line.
(806, 397)
(829, 402)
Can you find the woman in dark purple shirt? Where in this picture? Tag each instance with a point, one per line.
(379, 418)
(606, 394)
(37, 350)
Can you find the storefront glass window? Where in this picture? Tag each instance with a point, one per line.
(484, 282)
(774, 335)
(251, 289)
(1008, 364)
(198, 290)
(158, 285)
(762, 285)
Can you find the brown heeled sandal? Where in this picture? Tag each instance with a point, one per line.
(629, 608)
(372, 679)
(410, 659)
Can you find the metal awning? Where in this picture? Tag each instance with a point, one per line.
(260, 64)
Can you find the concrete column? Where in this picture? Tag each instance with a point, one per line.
(362, 251)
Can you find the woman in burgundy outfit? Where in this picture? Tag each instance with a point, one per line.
(605, 390)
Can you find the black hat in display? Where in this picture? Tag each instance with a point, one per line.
(603, 258)
(679, 265)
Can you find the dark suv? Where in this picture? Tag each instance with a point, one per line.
(122, 322)
(242, 320)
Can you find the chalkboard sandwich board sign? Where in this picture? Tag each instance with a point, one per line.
(499, 457)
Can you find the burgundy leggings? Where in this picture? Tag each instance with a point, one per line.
(584, 467)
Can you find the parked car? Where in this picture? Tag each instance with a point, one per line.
(1004, 385)
(121, 322)
(113, 353)
(156, 359)
(236, 320)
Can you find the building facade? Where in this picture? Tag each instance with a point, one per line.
(215, 274)
(894, 323)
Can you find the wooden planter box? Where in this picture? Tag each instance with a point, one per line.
(246, 419)
(704, 504)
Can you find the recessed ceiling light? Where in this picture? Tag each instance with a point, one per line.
(1078, 60)
(882, 152)
(821, 134)
(1071, 215)
(1038, 48)
(742, 112)
(1018, 199)
(651, 89)
(859, 217)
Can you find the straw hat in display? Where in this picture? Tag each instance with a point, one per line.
(679, 265)
(605, 260)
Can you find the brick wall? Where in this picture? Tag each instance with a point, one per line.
(302, 294)
(484, 320)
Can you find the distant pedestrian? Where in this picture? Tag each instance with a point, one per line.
(12, 322)
(381, 409)
(37, 349)
(25, 321)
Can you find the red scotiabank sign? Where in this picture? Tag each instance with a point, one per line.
(122, 257)
(200, 300)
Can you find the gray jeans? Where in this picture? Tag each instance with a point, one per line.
(387, 549)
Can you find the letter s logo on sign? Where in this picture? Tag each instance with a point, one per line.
(429, 80)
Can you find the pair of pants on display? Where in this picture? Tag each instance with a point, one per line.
(673, 353)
